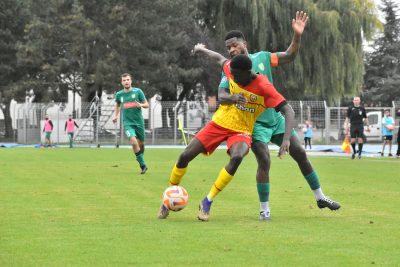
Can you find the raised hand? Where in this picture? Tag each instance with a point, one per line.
(299, 23)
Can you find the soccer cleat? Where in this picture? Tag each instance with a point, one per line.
(163, 213)
(359, 156)
(265, 215)
(390, 155)
(328, 203)
(353, 156)
(381, 154)
(144, 169)
(204, 210)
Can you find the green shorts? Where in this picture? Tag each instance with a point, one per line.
(47, 135)
(134, 131)
(71, 135)
(265, 134)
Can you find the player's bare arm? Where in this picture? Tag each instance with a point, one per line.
(116, 113)
(217, 57)
(145, 104)
(298, 25)
(288, 113)
(224, 97)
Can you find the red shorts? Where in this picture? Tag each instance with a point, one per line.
(212, 135)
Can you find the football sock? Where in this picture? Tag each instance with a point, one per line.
(353, 145)
(140, 158)
(313, 180)
(176, 175)
(318, 194)
(360, 146)
(223, 180)
(263, 195)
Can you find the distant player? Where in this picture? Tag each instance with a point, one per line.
(357, 115)
(240, 105)
(69, 128)
(307, 134)
(387, 132)
(131, 100)
(47, 130)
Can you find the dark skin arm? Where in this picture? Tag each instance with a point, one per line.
(217, 57)
(298, 25)
(288, 113)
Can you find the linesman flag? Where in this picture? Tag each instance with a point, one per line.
(346, 145)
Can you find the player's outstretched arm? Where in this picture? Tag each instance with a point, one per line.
(217, 57)
(288, 113)
(224, 97)
(116, 113)
(298, 25)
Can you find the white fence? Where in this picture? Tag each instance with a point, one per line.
(162, 121)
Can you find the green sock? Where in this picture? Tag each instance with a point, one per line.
(263, 191)
(313, 180)
(140, 158)
(70, 143)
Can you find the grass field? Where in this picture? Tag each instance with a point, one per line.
(91, 207)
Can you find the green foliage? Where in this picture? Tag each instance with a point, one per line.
(382, 75)
(329, 65)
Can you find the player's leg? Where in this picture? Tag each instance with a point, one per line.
(390, 145)
(260, 138)
(71, 138)
(194, 148)
(140, 135)
(360, 140)
(383, 146)
(238, 147)
(353, 140)
(398, 144)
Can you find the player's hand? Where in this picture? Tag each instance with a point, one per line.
(284, 149)
(299, 23)
(115, 120)
(198, 47)
(240, 99)
(368, 129)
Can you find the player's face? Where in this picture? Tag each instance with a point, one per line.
(241, 77)
(126, 82)
(387, 113)
(236, 46)
(356, 101)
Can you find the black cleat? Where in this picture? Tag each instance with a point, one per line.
(353, 156)
(359, 156)
(390, 155)
(144, 169)
(328, 203)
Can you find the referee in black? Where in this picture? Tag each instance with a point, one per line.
(357, 116)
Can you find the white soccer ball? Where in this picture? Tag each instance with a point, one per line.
(175, 198)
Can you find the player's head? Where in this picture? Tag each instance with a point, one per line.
(356, 101)
(387, 112)
(126, 80)
(46, 117)
(241, 69)
(236, 43)
(70, 116)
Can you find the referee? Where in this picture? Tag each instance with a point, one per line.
(356, 115)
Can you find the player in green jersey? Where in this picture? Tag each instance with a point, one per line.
(131, 100)
(269, 126)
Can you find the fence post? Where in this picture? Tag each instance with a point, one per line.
(97, 120)
(327, 124)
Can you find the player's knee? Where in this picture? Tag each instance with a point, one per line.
(236, 159)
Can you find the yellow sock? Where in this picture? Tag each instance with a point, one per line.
(176, 175)
(223, 180)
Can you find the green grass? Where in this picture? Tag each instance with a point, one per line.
(91, 207)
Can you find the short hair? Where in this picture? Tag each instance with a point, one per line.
(125, 75)
(235, 34)
(241, 62)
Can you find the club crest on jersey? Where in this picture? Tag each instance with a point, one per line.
(261, 66)
(133, 96)
(360, 112)
(253, 98)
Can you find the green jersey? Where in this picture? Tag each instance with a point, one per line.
(129, 104)
(262, 62)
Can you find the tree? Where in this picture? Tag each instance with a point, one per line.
(12, 21)
(329, 65)
(382, 66)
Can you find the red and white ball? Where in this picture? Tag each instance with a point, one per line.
(390, 127)
(175, 198)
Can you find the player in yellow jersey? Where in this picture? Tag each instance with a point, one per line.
(248, 96)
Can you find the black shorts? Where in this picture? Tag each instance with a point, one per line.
(388, 137)
(357, 131)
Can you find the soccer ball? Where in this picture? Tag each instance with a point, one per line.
(175, 198)
(390, 127)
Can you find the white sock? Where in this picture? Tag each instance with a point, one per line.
(264, 206)
(318, 194)
(209, 199)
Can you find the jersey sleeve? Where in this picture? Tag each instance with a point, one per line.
(272, 98)
(274, 60)
(364, 113)
(142, 97)
(349, 112)
(224, 83)
(117, 99)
